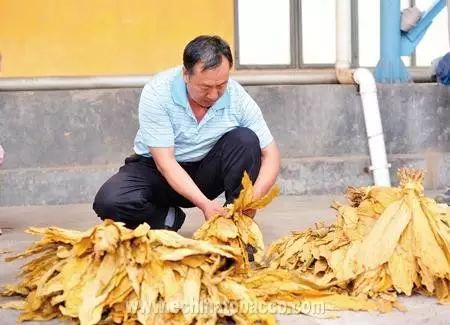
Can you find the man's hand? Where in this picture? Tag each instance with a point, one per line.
(212, 208)
(250, 213)
(257, 194)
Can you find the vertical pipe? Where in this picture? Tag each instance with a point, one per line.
(390, 68)
(343, 41)
(374, 129)
(368, 89)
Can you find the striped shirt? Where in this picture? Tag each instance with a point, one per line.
(166, 119)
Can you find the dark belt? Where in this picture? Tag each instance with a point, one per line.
(135, 157)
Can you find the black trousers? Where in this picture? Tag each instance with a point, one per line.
(139, 193)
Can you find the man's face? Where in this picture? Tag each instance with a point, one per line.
(206, 87)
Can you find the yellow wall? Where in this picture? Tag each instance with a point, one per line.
(104, 37)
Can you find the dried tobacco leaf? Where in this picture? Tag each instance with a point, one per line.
(386, 241)
(237, 229)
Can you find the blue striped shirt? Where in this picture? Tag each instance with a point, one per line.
(166, 119)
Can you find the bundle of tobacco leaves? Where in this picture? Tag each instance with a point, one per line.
(237, 229)
(386, 241)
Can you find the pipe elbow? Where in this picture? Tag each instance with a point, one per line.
(364, 78)
(344, 75)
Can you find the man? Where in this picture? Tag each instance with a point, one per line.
(198, 132)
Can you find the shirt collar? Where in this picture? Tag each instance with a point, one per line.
(179, 94)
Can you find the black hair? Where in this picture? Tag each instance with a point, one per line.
(206, 49)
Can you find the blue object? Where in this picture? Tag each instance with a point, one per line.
(443, 70)
(412, 38)
(390, 68)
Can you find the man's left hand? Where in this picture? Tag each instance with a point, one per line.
(250, 213)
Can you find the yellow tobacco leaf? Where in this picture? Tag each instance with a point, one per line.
(443, 290)
(106, 238)
(402, 265)
(265, 200)
(425, 245)
(149, 293)
(14, 304)
(384, 195)
(96, 291)
(344, 261)
(381, 241)
(226, 229)
(194, 260)
(191, 293)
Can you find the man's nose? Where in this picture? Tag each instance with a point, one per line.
(213, 94)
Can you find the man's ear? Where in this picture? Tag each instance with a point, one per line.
(185, 75)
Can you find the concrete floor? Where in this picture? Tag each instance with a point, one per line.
(286, 213)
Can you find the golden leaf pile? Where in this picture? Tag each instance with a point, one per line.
(387, 241)
(111, 274)
(291, 293)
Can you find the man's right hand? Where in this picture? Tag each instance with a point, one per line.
(212, 208)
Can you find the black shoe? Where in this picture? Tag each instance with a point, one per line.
(174, 219)
(444, 197)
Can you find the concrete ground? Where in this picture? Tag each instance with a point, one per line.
(286, 213)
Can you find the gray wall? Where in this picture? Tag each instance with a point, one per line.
(61, 145)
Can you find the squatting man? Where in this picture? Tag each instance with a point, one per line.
(198, 132)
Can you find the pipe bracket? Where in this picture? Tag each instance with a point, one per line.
(371, 168)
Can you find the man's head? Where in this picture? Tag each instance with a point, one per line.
(206, 66)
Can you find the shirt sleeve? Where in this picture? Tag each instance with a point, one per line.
(154, 121)
(252, 118)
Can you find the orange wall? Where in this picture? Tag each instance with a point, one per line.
(104, 37)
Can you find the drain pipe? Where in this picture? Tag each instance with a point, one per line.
(368, 90)
(343, 42)
(374, 129)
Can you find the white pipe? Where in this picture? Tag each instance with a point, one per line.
(343, 41)
(368, 90)
(374, 129)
